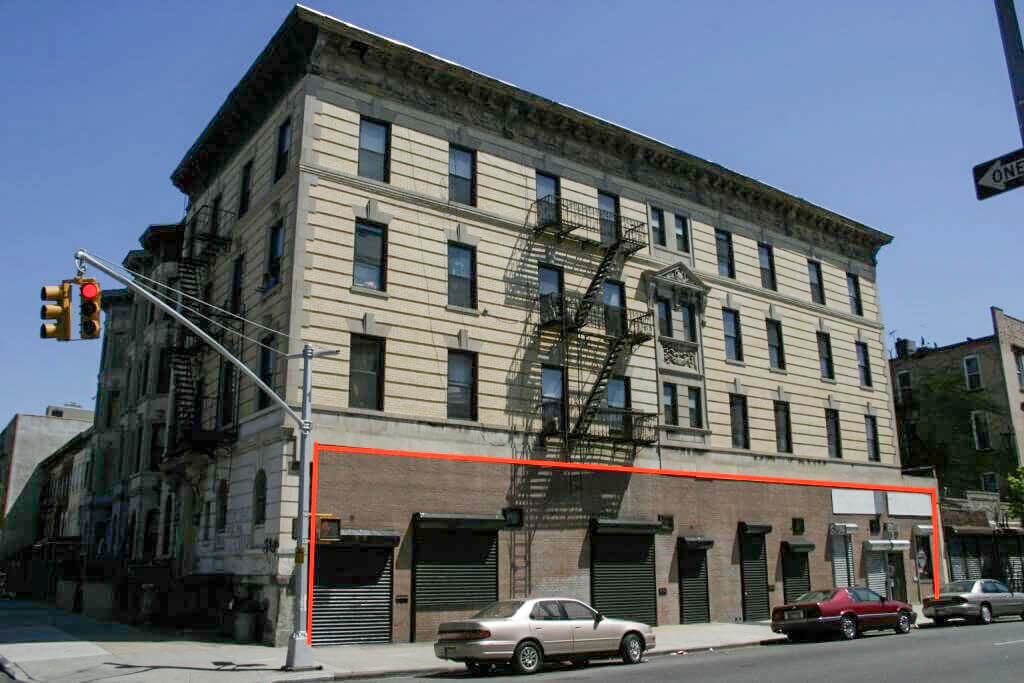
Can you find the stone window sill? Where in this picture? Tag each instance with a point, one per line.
(462, 309)
(356, 289)
(778, 371)
(737, 363)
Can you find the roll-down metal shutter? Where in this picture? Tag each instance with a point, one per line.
(957, 566)
(972, 558)
(455, 568)
(352, 595)
(876, 562)
(796, 575)
(754, 573)
(842, 560)
(1016, 564)
(694, 606)
(622, 582)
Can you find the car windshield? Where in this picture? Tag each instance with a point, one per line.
(958, 587)
(815, 596)
(503, 609)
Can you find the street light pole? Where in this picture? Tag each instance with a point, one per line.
(300, 655)
(1009, 30)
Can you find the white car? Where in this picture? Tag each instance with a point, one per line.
(526, 633)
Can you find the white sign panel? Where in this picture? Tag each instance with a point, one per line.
(854, 502)
(910, 504)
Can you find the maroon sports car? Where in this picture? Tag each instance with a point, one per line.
(846, 611)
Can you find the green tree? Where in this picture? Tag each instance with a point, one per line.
(1015, 494)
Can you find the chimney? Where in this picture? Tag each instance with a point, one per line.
(905, 348)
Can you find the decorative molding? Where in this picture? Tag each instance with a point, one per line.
(369, 326)
(781, 395)
(462, 342)
(462, 235)
(680, 353)
(371, 212)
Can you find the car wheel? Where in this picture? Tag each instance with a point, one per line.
(940, 621)
(985, 615)
(632, 648)
(848, 628)
(796, 637)
(903, 622)
(527, 658)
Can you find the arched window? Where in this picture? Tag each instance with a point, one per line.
(222, 505)
(168, 511)
(259, 498)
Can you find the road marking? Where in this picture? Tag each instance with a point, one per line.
(1009, 642)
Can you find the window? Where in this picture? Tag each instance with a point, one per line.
(156, 446)
(766, 256)
(461, 276)
(215, 214)
(462, 385)
(738, 417)
(689, 322)
(222, 508)
(1018, 356)
(979, 423)
(776, 351)
(825, 356)
(972, 372)
(143, 383)
(658, 226)
(903, 384)
(226, 407)
(577, 610)
(733, 334)
(696, 410)
(552, 399)
(546, 610)
(268, 360)
(863, 364)
(259, 499)
(462, 175)
(284, 143)
(245, 189)
(374, 150)
(618, 400)
(366, 373)
(163, 375)
(370, 267)
(138, 449)
(835, 441)
(237, 271)
(682, 233)
(853, 288)
(990, 483)
(547, 186)
(783, 428)
(608, 208)
(549, 286)
(275, 248)
(871, 431)
(671, 404)
(113, 407)
(723, 245)
(817, 285)
(664, 317)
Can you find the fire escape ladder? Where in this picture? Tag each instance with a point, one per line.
(184, 391)
(616, 350)
(596, 288)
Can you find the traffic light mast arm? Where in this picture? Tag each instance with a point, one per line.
(82, 256)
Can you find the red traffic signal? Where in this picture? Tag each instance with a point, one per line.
(89, 310)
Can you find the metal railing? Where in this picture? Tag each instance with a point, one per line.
(614, 321)
(562, 217)
(618, 424)
(212, 226)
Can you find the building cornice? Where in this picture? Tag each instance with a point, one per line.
(388, 69)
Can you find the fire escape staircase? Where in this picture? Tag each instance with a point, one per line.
(617, 237)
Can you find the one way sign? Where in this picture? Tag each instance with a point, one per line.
(999, 175)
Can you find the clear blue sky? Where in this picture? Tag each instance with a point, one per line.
(876, 110)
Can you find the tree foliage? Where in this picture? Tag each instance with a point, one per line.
(1015, 494)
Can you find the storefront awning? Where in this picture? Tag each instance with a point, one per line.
(444, 520)
(755, 528)
(798, 544)
(972, 530)
(379, 537)
(608, 525)
(885, 544)
(842, 528)
(922, 529)
(697, 542)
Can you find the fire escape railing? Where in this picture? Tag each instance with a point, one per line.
(617, 237)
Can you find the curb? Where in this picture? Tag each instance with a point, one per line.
(12, 670)
(428, 671)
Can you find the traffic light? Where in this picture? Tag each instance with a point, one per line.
(89, 309)
(59, 311)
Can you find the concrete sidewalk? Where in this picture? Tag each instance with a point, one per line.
(41, 643)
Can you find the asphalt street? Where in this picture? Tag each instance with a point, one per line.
(992, 654)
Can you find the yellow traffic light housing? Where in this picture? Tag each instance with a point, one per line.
(89, 308)
(59, 311)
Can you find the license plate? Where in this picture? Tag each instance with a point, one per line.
(794, 614)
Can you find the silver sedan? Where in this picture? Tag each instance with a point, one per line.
(525, 633)
(981, 601)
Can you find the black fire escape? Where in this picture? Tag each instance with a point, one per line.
(200, 426)
(603, 335)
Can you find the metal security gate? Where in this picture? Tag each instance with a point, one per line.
(622, 582)
(352, 595)
(754, 572)
(796, 575)
(694, 605)
(455, 569)
(842, 560)
(957, 566)
(875, 563)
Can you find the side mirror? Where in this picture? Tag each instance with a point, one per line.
(598, 617)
